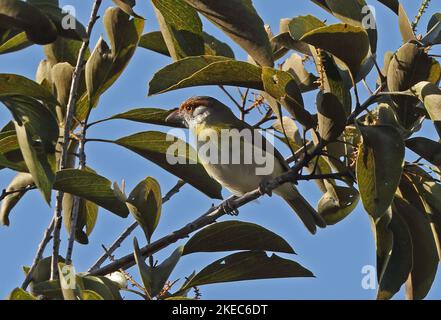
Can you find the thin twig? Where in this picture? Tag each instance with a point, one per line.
(46, 238)
(231, 98)
(421, 10)
(117, 243)
(7, 193)
(70, 114)
(369, 101)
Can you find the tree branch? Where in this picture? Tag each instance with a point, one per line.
(46, 238)
(7, 193)
(70, 114)
(117, 243)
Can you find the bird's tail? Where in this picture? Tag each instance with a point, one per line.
(304, 210)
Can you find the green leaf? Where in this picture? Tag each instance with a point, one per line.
(206, 70)
(337, 203)
(236, 235)
(87, 216)
(10, 154)
(294, 65)
(144, 269)
(37, 133)
(426, 148)
(353, 12)
(430, 95)
(145, 202)
(161, 273)
(248, 265)
(181, 28)
(333, 81)
(425, 255)
(409, 65)
(331, 116)
(301, 25)
(282, 86)
(154, 41)
(20, 182)
(127, 7)
(15, 42)
(90, 295)
(103, 286)
(406, 29)
(64, 50)
(154, 146)
(399, 258)
(15, 85)
(97, 68)
(66, 24)
(433, 35)
(147, 115)
(379, 167)
(124, 34)
(19, 14)
(92, 187)
(240, 21)
(351, 48)
(61, 75)
(20, 294)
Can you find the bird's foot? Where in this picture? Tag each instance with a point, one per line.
(229, 207)
(264, 187)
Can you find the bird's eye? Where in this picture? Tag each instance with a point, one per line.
(188, 108)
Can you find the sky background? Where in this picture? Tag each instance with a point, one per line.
(336, 255)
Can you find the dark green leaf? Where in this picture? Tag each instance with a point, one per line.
(337, 203)
(17, 41)
(206, 70)
(20, 182)
(406, 29)
(351, 48)
(240, 21)
(20, 294)
(145, 203)
(154, 146)
(301, 25)
(148, 115)
(399, 258)
(181, 28)
(10, 154)
(425, 255)
(305, 80)
(127, 7)
(426, 148)
(161, 273)
(331, 116)
(249, 265)
(19, 14)
(15, 85)
(282, 86)
(144, 269)
(379, 167)
(236, 235)
(92, 187)
(433, 35)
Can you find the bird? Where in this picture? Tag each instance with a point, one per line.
(208, 117)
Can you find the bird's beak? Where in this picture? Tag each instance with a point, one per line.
(176, 118)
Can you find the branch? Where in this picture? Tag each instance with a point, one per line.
(117, 243)
(210, 216)
(7, 193)
(70, 113)
(369, 101)
(46, 238)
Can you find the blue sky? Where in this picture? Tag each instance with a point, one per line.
(336, 255)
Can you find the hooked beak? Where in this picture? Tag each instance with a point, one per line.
(176, 118)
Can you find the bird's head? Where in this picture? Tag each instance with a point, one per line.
(202, 110)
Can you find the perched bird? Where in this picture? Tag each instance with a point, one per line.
(205, 116)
